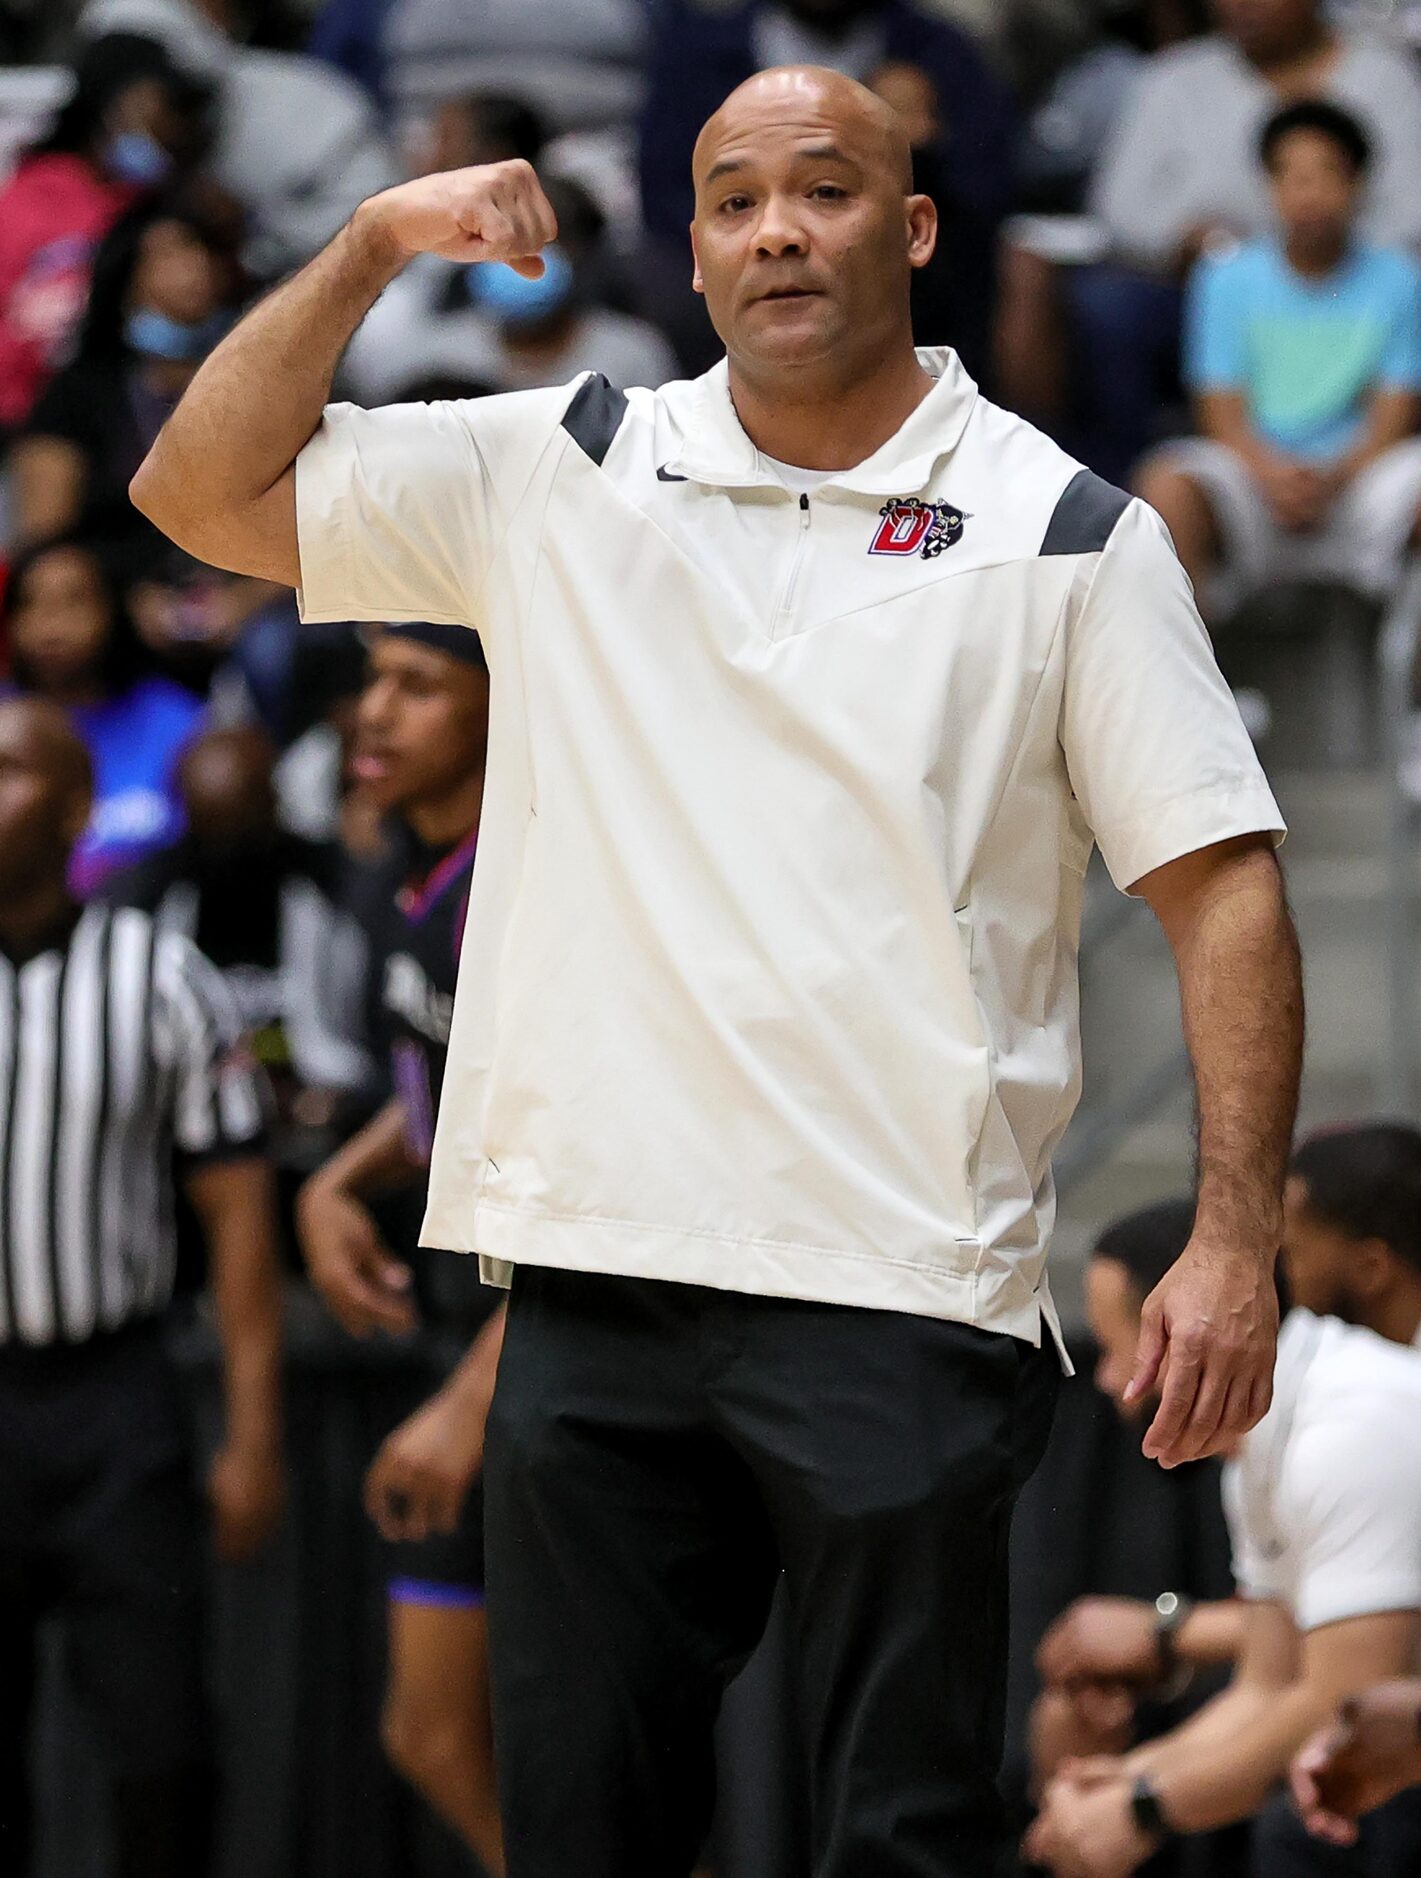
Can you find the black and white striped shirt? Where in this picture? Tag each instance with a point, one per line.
(119, 1049)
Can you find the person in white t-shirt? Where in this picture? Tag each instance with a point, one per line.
(767, 1014)
(1324, 1505)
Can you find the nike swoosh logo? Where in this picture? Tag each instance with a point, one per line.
(668, 476)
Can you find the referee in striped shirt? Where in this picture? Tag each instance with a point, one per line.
(120, 1072)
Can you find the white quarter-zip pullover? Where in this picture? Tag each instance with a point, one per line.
(770, 974)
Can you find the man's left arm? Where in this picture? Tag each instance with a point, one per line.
(1170, 785)
(1209, 1328)
(235, 1203)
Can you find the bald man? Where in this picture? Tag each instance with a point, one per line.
(118, 1061)
(812, 681)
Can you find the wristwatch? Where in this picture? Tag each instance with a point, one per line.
(1172, 1611)
(1147, 1813)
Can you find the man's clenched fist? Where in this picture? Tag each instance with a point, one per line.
(493, 212)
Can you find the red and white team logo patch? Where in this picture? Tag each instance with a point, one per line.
(924, 528)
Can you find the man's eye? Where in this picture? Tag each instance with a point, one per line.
(829, 191)
(734, 204)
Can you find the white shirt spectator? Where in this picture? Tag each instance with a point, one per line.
(406, 336)
(1185, 152)
(1324, 1501)
(298, 143)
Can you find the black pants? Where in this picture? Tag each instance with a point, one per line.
(657, 1455)
(1389, 1845)
(99, 1526)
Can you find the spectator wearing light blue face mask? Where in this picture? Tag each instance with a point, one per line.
(132, 123)
(165, 288)
(514, 334)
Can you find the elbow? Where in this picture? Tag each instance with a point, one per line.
(148, 494)
(155, 493)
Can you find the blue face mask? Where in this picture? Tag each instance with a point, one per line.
(132, 156)
(507, 297)
(178, 341)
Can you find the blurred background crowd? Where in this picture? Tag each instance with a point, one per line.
(1183, 236)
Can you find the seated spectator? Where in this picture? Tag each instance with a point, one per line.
(1303, 352)
(1073, 123)
(297, 143)
(261, 904)
(1114, 1668)
(165, 288)
(511, 333)
(131, 122)
(578, 62)
(699, 55)
(1179, 172)
(72, 642)
(1324, 1502)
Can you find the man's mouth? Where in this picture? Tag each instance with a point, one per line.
(790, 293)
(369, 766)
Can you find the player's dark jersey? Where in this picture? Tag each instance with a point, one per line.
(413, 913)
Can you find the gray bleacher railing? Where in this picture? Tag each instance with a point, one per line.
(1400, 640)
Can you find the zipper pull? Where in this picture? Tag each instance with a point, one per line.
(804, 506)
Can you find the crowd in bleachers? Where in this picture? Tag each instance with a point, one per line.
(1182, 236)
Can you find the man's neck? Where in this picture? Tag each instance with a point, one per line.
(821, 425)
(450, 819)
(30, 916)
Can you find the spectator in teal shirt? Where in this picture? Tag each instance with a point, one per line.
(1303, 357)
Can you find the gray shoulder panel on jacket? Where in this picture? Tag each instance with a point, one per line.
(594, 416)
(1084, 518)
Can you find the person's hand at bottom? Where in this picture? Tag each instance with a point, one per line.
(1366, 1757)
(1085, 1828)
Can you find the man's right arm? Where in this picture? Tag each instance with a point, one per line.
(220, 479)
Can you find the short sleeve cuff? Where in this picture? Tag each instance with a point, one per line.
(324, 475)
(1356, 1594)
(1157, 836)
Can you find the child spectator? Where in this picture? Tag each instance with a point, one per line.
(72, 642)
(1303, 354)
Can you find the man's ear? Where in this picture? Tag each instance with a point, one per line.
(696, 282)
(922, 229)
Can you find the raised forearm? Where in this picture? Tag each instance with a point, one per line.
(257, 400)
(1240, 979)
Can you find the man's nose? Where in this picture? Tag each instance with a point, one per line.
(780, 231)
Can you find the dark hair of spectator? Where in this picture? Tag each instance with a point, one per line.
(1325, 120)
(1366, 1182)
(101, 331)
(103, 71)
(509, 123)
(1147, 1242)
(124, 659)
